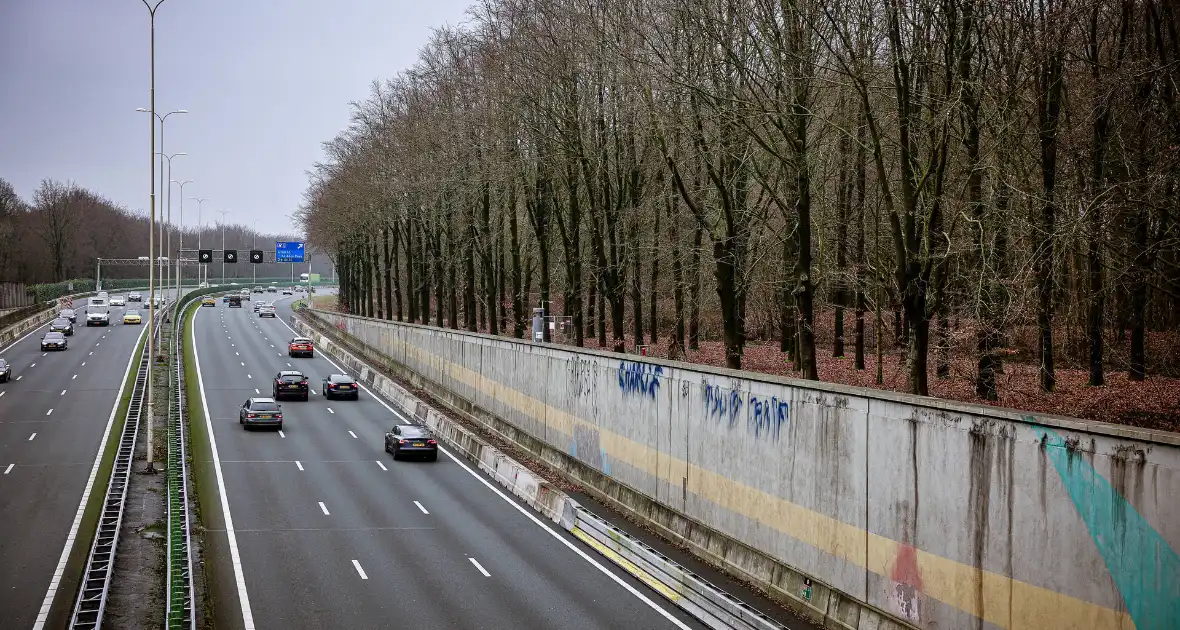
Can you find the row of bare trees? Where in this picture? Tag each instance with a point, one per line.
(62, 231)
(970, 165)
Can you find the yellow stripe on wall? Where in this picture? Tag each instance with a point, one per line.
(1006, 603)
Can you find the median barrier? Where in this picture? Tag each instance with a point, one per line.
(696, 596)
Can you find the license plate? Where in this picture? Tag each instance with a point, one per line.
(346, 387)
(265, 417)
(292, 387)
(419, 444)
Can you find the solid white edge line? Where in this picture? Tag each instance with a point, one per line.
(593, 562)
(324, 508)
(359, 570)
(421, 508)
(231, 535)
(480, 567)
(55, 581)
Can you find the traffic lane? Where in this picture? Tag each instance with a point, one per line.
(48, 442)
(364, 493)
(729, 584)
(541, 569)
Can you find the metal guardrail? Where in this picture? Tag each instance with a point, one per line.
(179, 611)
(100, 563)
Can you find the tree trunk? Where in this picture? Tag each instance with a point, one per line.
(861, 191)
(653, 299)
(636, 289)
(440, 281)
(694, 291)
(412, 255)
(390, 271)
(518, 296)
(1049, 105)
(676, 347)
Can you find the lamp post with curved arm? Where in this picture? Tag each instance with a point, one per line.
(180, 250)
(202, 270)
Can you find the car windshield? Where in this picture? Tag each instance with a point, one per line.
(292, 378)
(264, 406)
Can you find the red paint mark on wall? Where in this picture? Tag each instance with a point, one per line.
(906, 587)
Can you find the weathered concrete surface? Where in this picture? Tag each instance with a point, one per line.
(944, 515)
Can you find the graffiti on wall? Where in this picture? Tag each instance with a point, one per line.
(722, 404)
(581, 377)
(1144, 567)
(767, 416)
(640, 379)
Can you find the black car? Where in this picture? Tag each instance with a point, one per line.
(68, 313)
(340, 386)
(261, 412)
(408, 439)
(53, 341)
(5, 371)
(291, 383)
(235, 301)
(63, 326)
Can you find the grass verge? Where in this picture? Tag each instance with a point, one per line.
(206, 511)
(61, 610)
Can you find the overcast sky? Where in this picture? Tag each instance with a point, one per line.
(265, 82)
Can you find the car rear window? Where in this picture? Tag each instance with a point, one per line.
(339, 378)
(291, 378)
(414, 432)
(264, 406)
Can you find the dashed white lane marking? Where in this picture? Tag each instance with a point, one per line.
(31, 437)
(359, 570)
(63, 393)
(288, 363)
(421, 508)
(83, 364)
(324, 508)
(299, 465)
(48, 413)
(98, 343)
(91, 353)
(353, 435)
(238, 354)
(33, 365)
(256, 391)
(9, 469)
(2, 393)
(478, 566)
(281, 434)
(243, 363)
(73, 377)
(248, 376)
(330, 410)
(382, 466)
(44, 354)
(22, 376)
(272, 345)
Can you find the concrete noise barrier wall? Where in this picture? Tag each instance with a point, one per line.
(940, 514)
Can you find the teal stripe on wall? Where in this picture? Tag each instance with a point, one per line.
(1144, 566)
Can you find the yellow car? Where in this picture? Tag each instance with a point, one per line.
(208, 302)
(132, 317)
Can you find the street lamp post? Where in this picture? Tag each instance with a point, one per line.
(180, 250)
(162, 119)
(152, 228)
(223, 213)
(164, 266)
(200, 229)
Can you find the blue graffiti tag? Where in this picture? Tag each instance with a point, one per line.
(768, 415)
(640, 378)
(724, 404)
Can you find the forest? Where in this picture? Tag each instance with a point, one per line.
(973, 199)
(63, 229)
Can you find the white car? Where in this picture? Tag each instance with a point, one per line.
(135, 296)
(118, 300)
(267, 310)
(288, 292)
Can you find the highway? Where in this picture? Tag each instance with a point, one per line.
(53, 415)
(330, 532)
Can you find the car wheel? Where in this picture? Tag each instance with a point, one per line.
(396, 453)
(280, 426)
(386, 446)
(306, 395)
(356, 396)
(241, 420)
(433, 457)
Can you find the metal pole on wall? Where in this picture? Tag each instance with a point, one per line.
(180, 234)
(223, 213)
(200, 229)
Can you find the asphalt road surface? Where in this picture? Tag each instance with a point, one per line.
(328, 531)
(53, 415)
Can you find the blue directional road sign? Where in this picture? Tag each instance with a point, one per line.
(288, 251)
